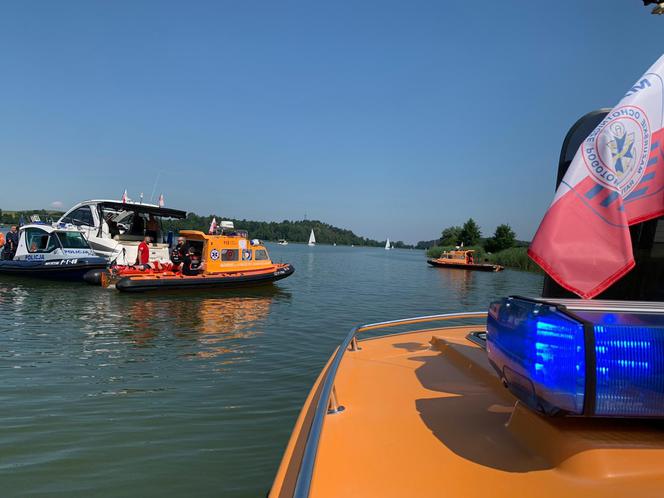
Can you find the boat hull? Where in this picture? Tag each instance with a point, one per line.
(464, 266)
(182, 282)
(55, 269)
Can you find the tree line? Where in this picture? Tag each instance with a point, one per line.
(292, 231)
(470, 235)
(14, 217)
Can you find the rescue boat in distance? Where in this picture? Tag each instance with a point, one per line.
(228, 259)
(462, 260)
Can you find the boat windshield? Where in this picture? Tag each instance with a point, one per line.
(72, 240)
(261, 255)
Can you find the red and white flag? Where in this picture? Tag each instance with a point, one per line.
(213, 226)
(124, 196)
(161, 200)
(615, 180)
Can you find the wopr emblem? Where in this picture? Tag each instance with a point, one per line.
(214, 254)
(616, 152)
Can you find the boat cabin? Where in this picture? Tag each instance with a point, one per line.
(114, 229)
(41, 242)
(229, 250)
(458, 256)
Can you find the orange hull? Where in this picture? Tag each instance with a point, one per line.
(171, 280)
(425, 415)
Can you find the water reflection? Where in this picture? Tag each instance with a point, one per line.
(459, 283)
(213, 325)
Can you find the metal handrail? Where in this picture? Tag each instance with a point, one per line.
(328, 394)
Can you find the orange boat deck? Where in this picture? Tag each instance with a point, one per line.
(425, 415)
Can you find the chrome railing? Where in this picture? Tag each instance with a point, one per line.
(328, 402)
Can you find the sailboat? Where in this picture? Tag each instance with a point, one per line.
(312, 238)
(387, 245)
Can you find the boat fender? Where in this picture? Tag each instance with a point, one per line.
(96, 277)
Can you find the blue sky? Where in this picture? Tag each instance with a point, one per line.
(390, 118)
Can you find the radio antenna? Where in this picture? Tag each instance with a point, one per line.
(154, 187)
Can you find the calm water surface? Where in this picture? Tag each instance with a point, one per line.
(105, 394)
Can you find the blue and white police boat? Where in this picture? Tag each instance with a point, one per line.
(55, 252)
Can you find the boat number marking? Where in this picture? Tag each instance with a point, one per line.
(62, 262)
(214, 254)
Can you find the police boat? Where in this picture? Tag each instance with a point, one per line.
(54, 252)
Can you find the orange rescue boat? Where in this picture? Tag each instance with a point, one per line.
(462, 260)
(228, 259)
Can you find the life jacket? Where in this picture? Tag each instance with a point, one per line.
(177, 254)
(2, 239)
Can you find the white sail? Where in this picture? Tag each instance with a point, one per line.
(312, 238)
(387, 244)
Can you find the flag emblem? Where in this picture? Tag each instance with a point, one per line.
(617, 151)
(621, 148)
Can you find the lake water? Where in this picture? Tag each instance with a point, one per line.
(106, 394)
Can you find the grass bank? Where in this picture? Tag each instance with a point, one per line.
(515, 257)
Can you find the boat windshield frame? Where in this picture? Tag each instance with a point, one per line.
(156, 211)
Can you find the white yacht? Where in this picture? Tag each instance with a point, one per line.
(387, 245)
(115, 228)
(282, 242)
(312, 238)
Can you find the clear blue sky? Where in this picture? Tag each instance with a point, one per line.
(390, 118)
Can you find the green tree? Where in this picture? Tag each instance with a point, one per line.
(470, 233)
(503, 238)
(451, 236)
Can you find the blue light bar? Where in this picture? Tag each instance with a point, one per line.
(579, 357)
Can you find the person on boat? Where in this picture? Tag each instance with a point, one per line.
(11, 243)
(138, 225)
(179, 252)
(191, 264)
(113, 228)
(143, 254)
(152, 227)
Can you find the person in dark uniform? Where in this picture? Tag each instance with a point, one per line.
(11, 243)
(137, 225)
(113, 228)
(191, 265)
(152, 228)
(178, 253)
